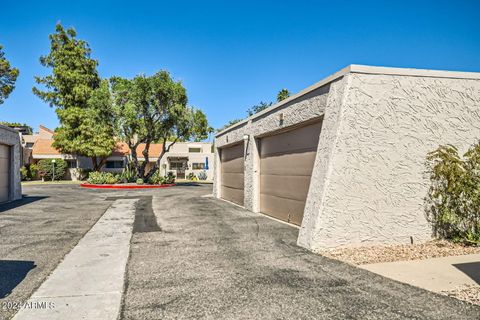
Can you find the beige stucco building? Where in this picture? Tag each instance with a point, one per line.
(344, 159)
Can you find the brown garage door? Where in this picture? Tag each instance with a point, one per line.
(232, 173)
(4, 172)
(286, 163)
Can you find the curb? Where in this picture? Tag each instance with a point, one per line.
(118, 186)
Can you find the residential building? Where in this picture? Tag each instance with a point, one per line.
(182, 159)
(28, 140)
(344, 159)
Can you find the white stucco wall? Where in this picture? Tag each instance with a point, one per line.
(369, 182)
(374, 184)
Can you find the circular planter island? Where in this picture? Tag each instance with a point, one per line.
(126, 186)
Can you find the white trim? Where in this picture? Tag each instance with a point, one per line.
(47, 156)
(414, 72)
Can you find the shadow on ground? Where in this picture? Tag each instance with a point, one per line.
(188, 184)
(18, 203)
(471, 269)
(12, 273)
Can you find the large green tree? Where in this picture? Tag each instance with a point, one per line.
(155, 109)
(82, 102)
(8, 76)
(88, 131)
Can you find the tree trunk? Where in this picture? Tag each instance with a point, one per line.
(145, 162)
(97, 166)
(133, 152)
(94, 163)
(165, 149)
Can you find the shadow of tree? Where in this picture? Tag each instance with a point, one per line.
(12, 273)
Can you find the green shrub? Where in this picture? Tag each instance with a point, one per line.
(84, 173)
(29, 172)
(139, 181)
(46, 169)
(156, 178)
(102, 178)
(32, 171)
(453, 200)
(24, 173)
(192, 176)
(128, 174)
(202, 175)
(169, 178)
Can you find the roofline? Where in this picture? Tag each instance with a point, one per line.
(356, 68)
(8, 128)
(45, 128)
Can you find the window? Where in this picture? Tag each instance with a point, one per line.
(194, 150)
(198, 166)
(176, 165)
(115, 164)
(29, 145)
(72, 163)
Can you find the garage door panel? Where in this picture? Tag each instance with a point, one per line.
(4, 152)
(4, 172)
(233, 180)
(233, 152)
(281, 208)
(232, 173)
(293, 187)
(233, 195)
(289, 164)
(233, 165)
(4, 164)
(305, 138)
(4, 178)
(286, 164)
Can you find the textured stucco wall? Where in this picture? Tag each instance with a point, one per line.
(374, 182)
(323, 161)
(308, 107)
(11, 138)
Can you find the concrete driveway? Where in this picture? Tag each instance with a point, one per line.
(193, 257)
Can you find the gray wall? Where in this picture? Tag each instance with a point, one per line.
(11, 138)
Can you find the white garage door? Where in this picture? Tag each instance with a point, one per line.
(286, 164)
(4, 172)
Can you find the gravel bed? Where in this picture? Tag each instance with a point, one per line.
(391, 253)
(470, 293)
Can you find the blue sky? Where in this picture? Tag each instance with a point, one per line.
(231, 55)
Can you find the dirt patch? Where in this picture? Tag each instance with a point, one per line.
(391, 253)
(469, 293)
